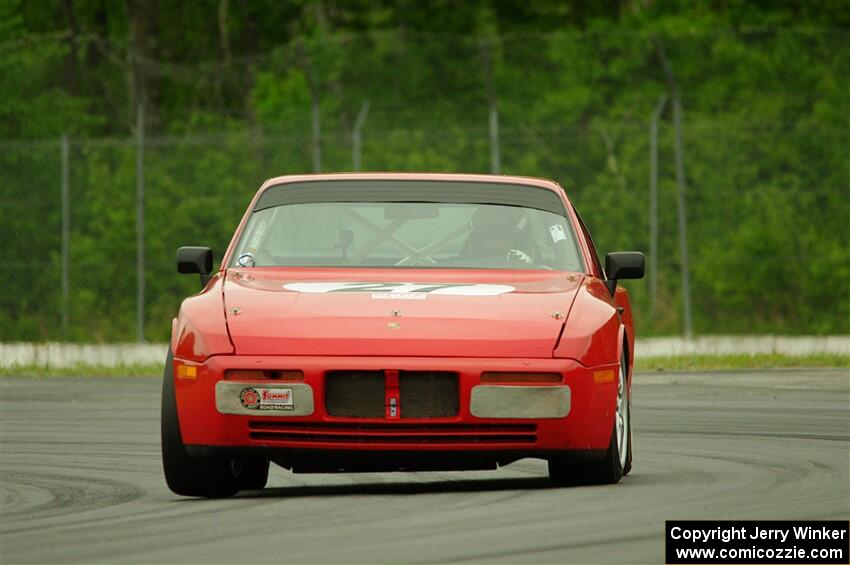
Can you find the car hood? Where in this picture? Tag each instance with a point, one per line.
(390, 312)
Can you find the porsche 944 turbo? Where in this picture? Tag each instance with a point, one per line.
(386, 322)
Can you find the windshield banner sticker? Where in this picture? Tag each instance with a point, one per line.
(557, 232)
(409, 291)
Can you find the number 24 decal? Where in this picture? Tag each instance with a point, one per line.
(472, 289)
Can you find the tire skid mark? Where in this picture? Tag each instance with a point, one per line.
(532, 550)
(776, 478)
(69, 494)
(726, 433)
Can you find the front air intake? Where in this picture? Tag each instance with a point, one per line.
(355, 394)
(427, 394)
(364, 394)
(304, 434)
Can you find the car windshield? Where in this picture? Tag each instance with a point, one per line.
(407, 234)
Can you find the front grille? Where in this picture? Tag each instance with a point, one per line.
(355, 394)
(427, 394)
(391, 433)
(363, 394)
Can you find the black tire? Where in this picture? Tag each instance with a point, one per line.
(563, 472)
(607, 471)
(254, 474)
(186, 475)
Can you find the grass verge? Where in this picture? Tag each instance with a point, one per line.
(83, 370)
(758, 361)
(683, 363)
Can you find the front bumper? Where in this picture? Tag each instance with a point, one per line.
(574, 415)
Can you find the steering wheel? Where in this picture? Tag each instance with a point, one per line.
(519, 256)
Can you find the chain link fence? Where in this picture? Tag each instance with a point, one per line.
(756, 264)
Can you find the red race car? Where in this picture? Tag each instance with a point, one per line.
(386, 322)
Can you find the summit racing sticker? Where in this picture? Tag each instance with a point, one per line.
(260, 398)
(407, 290)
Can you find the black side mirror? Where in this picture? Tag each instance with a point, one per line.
(195, 260)
(623, 265)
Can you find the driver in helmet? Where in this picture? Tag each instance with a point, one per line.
(497, 231)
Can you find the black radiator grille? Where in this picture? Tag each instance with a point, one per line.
(428, 394)
(355, 394)
(363, 394)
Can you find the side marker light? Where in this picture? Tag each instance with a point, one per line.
(187, 372)
(606, 376)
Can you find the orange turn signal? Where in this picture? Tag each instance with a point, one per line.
(606, 376)
(187, 371)
(520, 377)
(254, 374)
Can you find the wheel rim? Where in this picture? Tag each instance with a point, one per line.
(621, 419)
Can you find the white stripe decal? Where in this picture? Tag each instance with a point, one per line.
(382, 290)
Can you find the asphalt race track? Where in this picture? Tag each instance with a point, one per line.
(80, 481)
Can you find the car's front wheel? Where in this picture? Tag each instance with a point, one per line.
(618, 457)
(195, 476)
(254, 474)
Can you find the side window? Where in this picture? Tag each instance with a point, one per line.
(594, 255)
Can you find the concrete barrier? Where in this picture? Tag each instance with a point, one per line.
(111, 355)
(71, 354)
(742, 344)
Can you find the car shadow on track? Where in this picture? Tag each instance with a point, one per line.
(398, 488)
